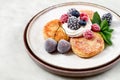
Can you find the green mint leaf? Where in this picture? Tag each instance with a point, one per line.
(105, 28)
(103, 36)
(107, 34)
(109, 42)
(96, 18)
(103, 24)
(106, 39)
(110, 30)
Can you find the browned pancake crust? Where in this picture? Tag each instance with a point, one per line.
(54, 30)
(87, 48)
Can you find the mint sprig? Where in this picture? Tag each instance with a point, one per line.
(105, 30)
(96, 18)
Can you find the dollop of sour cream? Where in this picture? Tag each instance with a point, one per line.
(78, 32)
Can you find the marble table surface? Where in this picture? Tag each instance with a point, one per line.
(15, 64)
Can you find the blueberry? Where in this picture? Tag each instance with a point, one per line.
(73, 12)
(108, 17)
(50, 45)
(63, 46)
(82, 22)
(73, 23)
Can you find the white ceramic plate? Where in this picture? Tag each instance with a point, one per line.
(36, 41)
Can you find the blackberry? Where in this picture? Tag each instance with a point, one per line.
(108, 17)
(73, 12)
(73, 23)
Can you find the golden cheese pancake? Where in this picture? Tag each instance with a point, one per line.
(54, 30)
(87, 47)
(90, 13)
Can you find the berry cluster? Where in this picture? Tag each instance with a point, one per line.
(74, 19)
(62, 46)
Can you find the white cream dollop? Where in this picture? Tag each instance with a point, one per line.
(78, 32)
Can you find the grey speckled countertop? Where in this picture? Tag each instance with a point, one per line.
(15, 64)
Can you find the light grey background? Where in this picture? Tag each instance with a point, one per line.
(15, 64)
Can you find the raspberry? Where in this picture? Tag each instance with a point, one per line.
(73, 23)
(73, 12)
(88, 34)
(83, 14)
(108, 17)
(64, 18)
(95, 27)
(85, 18)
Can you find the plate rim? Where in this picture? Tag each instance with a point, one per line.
(52, 7)
(76, 73)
